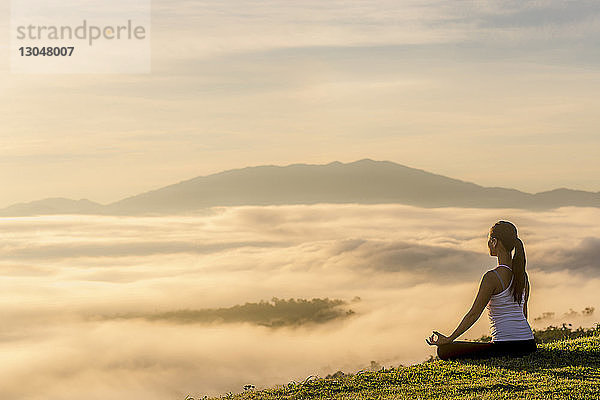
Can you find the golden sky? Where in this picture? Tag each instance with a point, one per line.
(498, 93)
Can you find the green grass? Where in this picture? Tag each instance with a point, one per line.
(566, 369)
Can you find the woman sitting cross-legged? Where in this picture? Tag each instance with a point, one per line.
(505, 291)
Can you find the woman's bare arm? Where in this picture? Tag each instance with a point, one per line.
(486, 288)
(526, 297)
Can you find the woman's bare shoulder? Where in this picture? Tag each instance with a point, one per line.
(489, 278)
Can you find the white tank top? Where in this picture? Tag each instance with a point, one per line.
(507, 321)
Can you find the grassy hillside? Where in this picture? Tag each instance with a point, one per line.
(568, 369)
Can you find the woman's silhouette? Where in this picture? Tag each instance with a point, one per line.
(505, 292)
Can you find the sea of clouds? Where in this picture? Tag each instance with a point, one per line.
(64, 280)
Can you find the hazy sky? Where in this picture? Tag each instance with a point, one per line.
(498, 93)
(414, 269)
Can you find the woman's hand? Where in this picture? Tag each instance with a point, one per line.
(441, 339)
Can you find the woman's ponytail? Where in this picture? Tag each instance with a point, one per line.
(518, 267)
(506, 233)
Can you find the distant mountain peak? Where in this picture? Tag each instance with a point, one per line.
(365, 181)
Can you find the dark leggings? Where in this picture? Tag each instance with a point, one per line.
(459, 349)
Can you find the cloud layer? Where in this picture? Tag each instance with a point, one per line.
(414, 270)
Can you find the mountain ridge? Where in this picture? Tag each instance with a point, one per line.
(364, 181)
